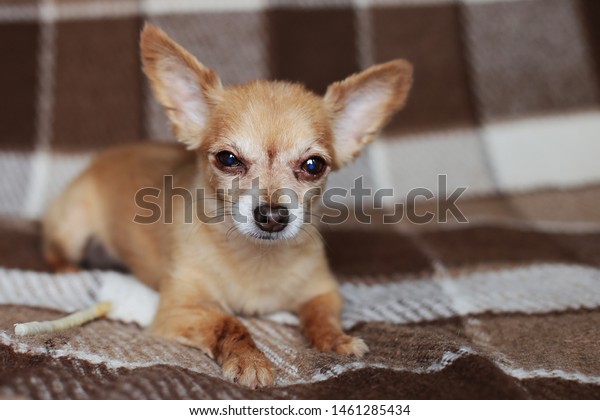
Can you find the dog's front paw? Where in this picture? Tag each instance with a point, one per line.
(251, 370)
(343, 344)
(351, 346)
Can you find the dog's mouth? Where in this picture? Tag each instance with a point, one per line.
(266, 236)
(254, 232)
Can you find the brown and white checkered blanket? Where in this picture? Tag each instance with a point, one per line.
(505, 102)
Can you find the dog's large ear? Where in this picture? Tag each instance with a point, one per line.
(363, 103)
(180, 83)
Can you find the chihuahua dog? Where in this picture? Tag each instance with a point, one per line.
(262, 256)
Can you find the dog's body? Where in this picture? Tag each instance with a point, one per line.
(278, 133)
(236, 275)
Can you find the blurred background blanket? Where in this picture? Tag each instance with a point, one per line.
(505, 103)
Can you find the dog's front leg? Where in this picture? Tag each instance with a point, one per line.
(221, 336)
(320, 320)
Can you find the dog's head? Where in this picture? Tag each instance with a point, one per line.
(265, 148)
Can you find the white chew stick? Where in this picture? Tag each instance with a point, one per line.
(74, 320)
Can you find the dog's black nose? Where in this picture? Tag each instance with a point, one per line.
(271, 219)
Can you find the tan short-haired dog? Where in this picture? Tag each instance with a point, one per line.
(262, 257)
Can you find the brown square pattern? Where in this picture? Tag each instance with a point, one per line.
(565, 341)
(315, 47)
(494, 245)
(98, 84)
(20, 246)
(18, 83)
(529, 57)
(374, 253)
(429, 37)
(590, 10)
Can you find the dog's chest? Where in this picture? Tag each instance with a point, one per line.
(262, 285)
(249, 279)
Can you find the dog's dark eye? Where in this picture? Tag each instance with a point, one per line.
(228, 159)
(314, 165)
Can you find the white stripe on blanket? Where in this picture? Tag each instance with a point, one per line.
(536, 288)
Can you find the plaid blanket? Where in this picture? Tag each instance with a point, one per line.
(505, 103)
